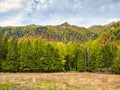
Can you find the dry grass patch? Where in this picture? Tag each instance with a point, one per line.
(59, 81)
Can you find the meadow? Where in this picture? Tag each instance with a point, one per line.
(59, 81)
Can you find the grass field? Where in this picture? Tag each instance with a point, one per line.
(59, 81)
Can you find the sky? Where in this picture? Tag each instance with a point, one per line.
(53, 12)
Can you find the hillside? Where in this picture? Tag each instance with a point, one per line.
(64, 32)
(112, 32)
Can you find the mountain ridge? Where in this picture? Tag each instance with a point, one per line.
(64, 32)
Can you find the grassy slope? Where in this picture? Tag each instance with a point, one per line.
(59, 81)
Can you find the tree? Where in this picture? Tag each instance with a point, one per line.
(11, 63)
(3, 49)
(25, 55)
(116, 62)
(81, 58)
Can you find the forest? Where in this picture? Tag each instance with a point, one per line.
(61, 48)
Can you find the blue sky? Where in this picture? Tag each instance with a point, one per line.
(54, 12)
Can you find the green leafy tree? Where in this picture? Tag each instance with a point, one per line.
(11, 63)
(3, 49)
(116, 62)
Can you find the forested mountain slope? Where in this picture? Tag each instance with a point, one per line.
(64, 32)
(112, 33)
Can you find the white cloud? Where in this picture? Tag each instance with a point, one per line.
(41, 6)
(112, 20)
(42, 1)
(13, 21)
(44, 12)
(7, 5)
(97, 21)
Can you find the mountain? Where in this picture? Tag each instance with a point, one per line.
(63, 32)
(112, 32)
